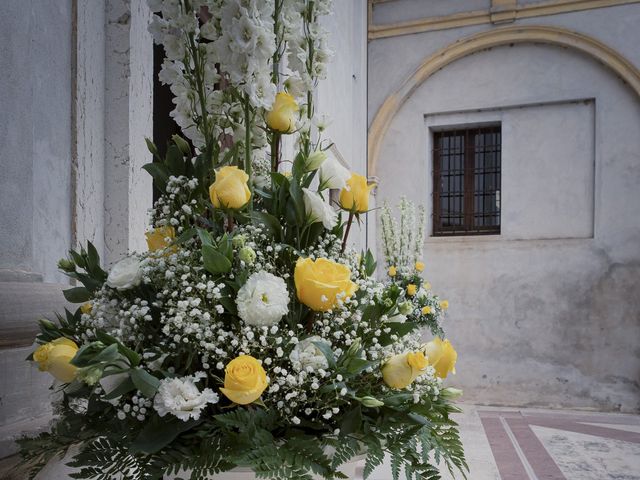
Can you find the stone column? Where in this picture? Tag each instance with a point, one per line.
(128, 120)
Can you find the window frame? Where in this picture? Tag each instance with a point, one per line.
(468, 227)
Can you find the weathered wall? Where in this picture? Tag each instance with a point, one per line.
(544, 313)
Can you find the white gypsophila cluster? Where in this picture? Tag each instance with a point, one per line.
(403, 240)
(263, 299)
(177, 207)
(182, 398)
(306, 354)
(244, 47)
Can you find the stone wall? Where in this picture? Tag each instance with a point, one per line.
(542, 314)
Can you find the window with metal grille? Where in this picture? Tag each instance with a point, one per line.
(466, 181)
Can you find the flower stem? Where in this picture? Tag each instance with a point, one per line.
(247, 146)
(346, 234)
(230, 222)
(310, 319)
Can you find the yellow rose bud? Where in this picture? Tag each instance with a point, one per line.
(426, 310)
(355, 196)
(444, 304)
(55, 357)
(411, 289)
(321, 283)
(442, 356)
(419, 266)
(230, 190)
(393, 271)
(86, 307)
(244, 380)
(160, 238)
(282, 117)
(401, 370)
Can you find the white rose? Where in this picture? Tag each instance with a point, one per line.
(125, 274)
(333, 174)
(263, 299)
(181, 397)
(318, 210)
(306, 354)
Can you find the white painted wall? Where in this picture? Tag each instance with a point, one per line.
(541, 314)
(343, 95)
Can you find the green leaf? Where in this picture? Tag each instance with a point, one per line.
(325, 348)
(369, 263)
(229, 305)
(352, 421)
(107, 355)
(269, 221)
(185, 236)
(125, 386)
(151, 146)
(77, 295)
(182, 144)
(159, 173)
(225, 247)
(174, 161)
(160, 432)
(354, 366)
(145, 382)
(214, 261)
(205, 236)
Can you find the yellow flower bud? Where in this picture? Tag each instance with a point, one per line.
(411, 289)
(444, 304)
(230, 190)
(426, 310)
(393, 271)
(55, 357)
(419, 266)
(86, 307)
(244, 380)
(442, 356)
(401, 370)
(282, 117)
(355, 196)
(160, 238)
(427, 286)
(321, 283)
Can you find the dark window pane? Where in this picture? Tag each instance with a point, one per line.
(467, 181)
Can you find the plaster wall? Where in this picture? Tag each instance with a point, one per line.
(541, 314)
(35, 138)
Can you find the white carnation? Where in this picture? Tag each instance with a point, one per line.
(318, 210)
(306, 354)
(181, 397)
(125, 274)
(263, 299)
(333, 174)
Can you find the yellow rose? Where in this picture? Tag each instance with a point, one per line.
(230, 189)
(419, 266)
(411, 289)
(393, 271)
(442, 356)
(355, 196)
(54, 357)
(244, 380)
(160, 238)
(444, 304)
(401, 370)
(282, 117)
(320, 282)
(426, 310)
(86, 307)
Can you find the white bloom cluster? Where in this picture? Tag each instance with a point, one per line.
(263, 299)
(182, 398)
(177, 207)
(403, 242)
(244, 45)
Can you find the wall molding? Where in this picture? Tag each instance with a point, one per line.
(499, 12)
(597, 50)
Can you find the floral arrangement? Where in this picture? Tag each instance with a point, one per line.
(249, 334)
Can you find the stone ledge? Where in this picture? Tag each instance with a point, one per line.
(22, 304)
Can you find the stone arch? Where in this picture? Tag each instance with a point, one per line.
(481, 41)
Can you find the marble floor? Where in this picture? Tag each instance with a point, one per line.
(518, 444)
(533, 444)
